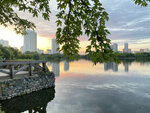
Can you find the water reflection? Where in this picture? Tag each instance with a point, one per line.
(55, 68)
(82, 87)
(126, 67)
(84, 66)
(32, 103)
(111, 66)
(104, 88)
(114, 66)
(66, 65)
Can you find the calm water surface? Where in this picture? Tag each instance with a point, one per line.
(82, 87)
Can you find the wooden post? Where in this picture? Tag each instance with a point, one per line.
(44, 67)
(30, 110)
(12, 71)
(30, 69)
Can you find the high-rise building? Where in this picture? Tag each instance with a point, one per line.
(141, 50)
(54, 46)
(147, 50)
(129, 51)
(135, 52)
(126, 50)
(4, 43)
(115, 47)
(30, 41)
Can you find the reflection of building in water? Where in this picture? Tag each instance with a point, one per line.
(111, 66)
(126, 67)
(66, 65)
(115, 67)
(55, 68)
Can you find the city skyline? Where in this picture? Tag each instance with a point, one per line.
(53, 49)
(127, 27)
(126, 49)
(30, 44)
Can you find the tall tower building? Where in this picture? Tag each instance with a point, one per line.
(54, 46)
(30, 41)
(115, 47)
(125, 48)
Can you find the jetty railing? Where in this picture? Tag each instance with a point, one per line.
(13, 67)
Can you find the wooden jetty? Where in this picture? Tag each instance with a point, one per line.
(13, 67)
(24, 77)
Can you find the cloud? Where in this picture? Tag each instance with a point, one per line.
(43, 28)
(127, 20)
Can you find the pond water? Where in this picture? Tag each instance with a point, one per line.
(82, 87)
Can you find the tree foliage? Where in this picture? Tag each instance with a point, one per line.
(75, 18)
(90, 16)
(143, 3)
(9, 53)
(8, 16)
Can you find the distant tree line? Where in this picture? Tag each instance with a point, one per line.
(9, 53)
(132, 55)
(125, 56)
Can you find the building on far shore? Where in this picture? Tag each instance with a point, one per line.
(4, 43)
(141, 50)
(120, 51)
(40, 51)
(30, 41)
(125, 50)
(135, 52)
(54, 46)
(49, 51)
(129, 51)
(21, 48)
(146, 50)
(114, 47)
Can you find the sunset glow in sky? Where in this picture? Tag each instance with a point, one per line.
(128, 23)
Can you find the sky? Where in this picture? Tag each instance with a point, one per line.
(128, 23)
